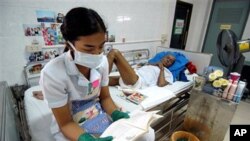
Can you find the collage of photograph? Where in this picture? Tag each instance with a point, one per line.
(46, 32)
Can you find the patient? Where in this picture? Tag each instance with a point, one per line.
(149, 75)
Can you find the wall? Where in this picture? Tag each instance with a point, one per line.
(246, 35)
(149, 20)
(199, 21)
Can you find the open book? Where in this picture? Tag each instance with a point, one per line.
(132, 128)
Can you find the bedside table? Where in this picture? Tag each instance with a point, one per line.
(208, 116)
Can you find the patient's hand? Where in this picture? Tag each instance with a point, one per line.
(38, 95)
(160, 65)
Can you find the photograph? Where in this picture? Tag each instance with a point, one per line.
(36, 56)
(45, 16)
(35, 69)
(59, 17)
(51, 33)
(111, 38)
(50, 53)
(32, 29)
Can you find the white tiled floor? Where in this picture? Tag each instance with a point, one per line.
(241, 116)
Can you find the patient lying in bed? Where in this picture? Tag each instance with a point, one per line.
(151, 74)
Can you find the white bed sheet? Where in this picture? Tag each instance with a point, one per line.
(38, 116)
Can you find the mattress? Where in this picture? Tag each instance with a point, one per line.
(38, 116)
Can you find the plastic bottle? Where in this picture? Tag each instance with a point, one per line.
(232, 90)
(239, 91)
(225, 92)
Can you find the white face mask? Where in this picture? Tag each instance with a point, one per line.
(85, 59)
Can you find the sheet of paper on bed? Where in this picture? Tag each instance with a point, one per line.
(155, 96)
(178, 86)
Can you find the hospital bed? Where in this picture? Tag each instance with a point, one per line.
(173, 108)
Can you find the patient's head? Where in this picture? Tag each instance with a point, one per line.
(168, 60)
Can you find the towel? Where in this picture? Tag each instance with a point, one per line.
(178, 66)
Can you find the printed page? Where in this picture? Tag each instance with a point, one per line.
(121, 131)
(132, 128)
(140, 119)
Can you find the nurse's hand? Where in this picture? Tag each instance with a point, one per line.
(88, 137)
(116, 115)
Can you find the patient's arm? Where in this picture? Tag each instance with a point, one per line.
(114, 80)
(161, 78)
(127, 73)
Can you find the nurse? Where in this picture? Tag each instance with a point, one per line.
(75, 84)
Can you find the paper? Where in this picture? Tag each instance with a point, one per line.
(155, 96)
(132, 128)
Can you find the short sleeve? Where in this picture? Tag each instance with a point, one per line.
(54, 89)
(105, 72)
(169, 76)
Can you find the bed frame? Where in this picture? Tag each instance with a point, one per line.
(9, 121)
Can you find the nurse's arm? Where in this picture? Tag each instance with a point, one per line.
(106, 100)
(68, 127)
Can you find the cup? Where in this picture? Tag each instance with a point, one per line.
(199, 82)
(235, 76)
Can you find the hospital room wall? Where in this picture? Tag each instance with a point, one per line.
(149, 20)
(198, 24)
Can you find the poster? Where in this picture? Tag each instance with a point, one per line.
(51, 33)
(179, 24)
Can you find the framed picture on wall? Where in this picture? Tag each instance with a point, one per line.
(45, 16)
(50, 53)
(112, 38)
(32, 30)
(52, 34)
(59, 17)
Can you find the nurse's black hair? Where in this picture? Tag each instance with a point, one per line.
(81, 21)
